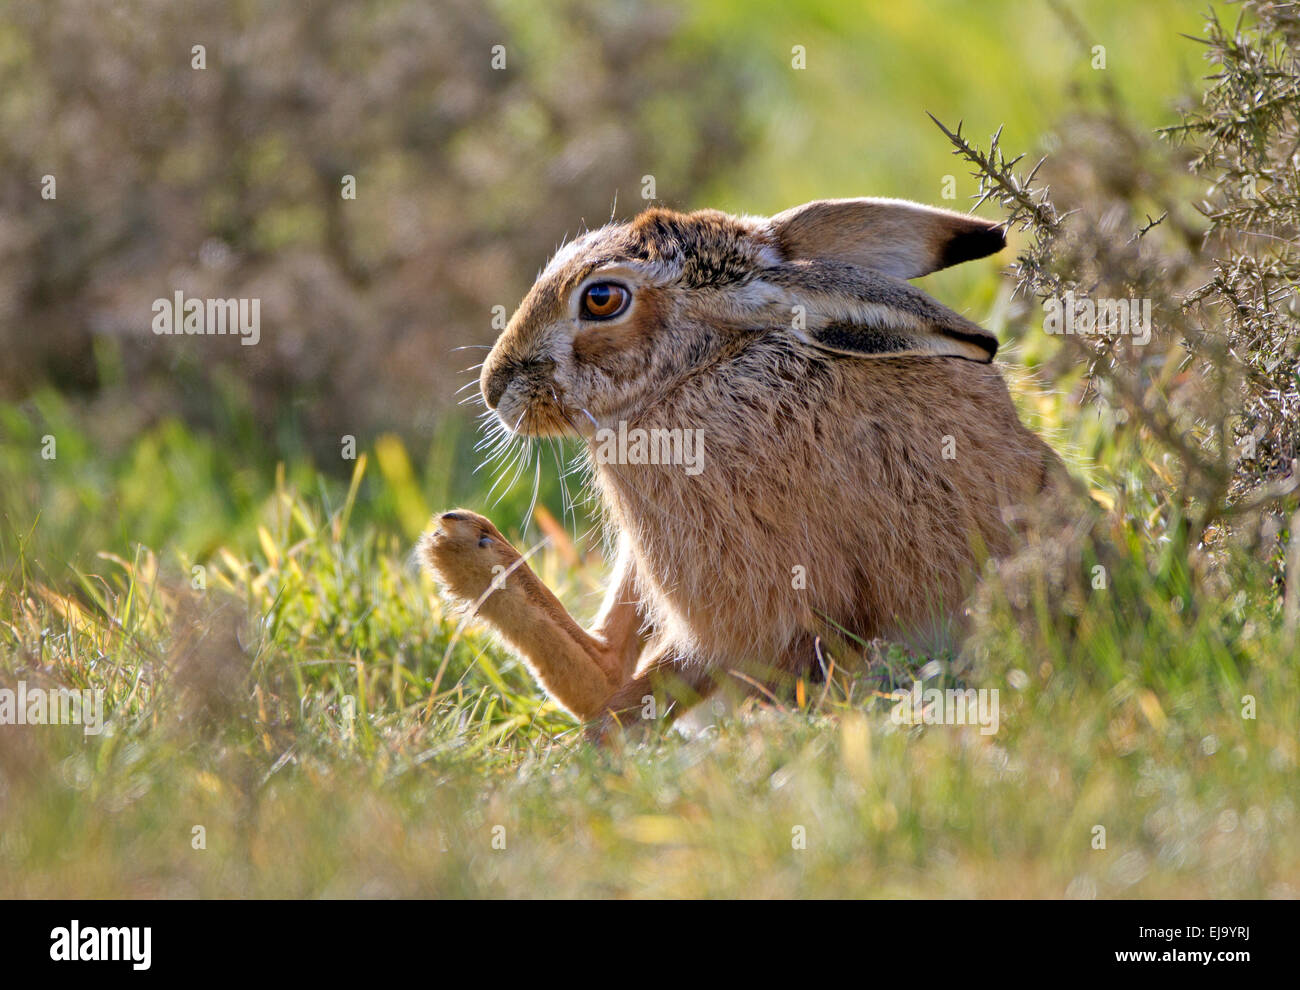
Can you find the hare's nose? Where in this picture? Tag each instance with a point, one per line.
(496, 380)
(495, 385)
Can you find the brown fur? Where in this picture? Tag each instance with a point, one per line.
(578, 667)
(824, 445)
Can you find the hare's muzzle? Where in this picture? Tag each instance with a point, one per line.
(532, 374)
(495, 384)
(524, 396)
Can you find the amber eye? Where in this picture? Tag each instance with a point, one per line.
(604, 300)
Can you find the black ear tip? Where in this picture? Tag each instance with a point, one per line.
(977, 242)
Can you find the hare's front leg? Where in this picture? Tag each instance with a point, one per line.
(580, 669)
(620, 624)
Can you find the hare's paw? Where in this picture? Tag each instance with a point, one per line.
(467, 554)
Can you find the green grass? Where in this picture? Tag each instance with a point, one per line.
(228, 709)
(334, 731)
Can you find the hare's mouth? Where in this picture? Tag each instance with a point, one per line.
(541, 415)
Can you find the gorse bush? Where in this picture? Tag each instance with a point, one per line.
(1197, 227)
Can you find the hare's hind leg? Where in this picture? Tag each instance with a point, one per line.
(670, 683)
(580, 669)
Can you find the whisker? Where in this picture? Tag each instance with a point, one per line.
(495, 435)
(502, 476)
(566, 497)
(537, 487)
(569, 507)
(498, 455)
(525, 450)
(519, 458)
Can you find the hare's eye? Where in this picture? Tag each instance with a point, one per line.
(604, 300)
(485, 541)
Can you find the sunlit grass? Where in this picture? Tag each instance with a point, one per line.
(333, 730)
(292, 712)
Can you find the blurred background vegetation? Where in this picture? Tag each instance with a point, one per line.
(226, 182)
(277, 671)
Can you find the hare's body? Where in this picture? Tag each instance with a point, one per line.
(863, 497)
(857, 451)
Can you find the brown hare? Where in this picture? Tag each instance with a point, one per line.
(857, 449)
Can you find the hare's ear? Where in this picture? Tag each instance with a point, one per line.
(893, 236)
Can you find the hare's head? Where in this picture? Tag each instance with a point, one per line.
(626, 311)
